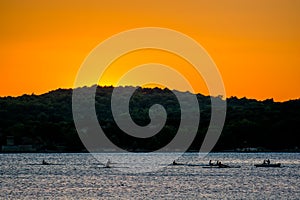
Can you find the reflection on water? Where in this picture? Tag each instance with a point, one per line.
(81, 176)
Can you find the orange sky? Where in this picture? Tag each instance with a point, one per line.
(255, 44)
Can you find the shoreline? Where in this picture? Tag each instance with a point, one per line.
(118, 152)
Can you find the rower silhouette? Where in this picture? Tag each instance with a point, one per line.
(107, 165)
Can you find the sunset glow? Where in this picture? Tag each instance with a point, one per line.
(255, 44)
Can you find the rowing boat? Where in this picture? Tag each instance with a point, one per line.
(268, 165)
(222, 166)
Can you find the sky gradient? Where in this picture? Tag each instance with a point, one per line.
(255, 44)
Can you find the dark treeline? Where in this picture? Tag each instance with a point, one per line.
(46, 121)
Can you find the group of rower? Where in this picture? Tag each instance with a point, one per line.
(218, 163)
(107, 165)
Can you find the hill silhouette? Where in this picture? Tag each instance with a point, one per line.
(46, 123)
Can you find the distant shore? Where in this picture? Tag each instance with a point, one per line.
(45, 124)
(145, 151)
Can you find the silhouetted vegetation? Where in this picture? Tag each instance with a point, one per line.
(46, 121)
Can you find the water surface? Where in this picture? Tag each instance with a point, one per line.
(81, 176)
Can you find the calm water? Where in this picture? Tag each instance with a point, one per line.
(81, 176)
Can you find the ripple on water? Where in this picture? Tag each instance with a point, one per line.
(80, 176)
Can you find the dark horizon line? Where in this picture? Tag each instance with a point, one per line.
(103, 86)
